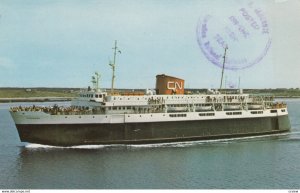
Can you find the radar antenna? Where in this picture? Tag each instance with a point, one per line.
(224, 57)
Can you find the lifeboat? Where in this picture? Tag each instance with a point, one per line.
(254, 107)
(231, 107)
(203, 108)
(174, 108)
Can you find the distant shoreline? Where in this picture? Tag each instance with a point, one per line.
(62, 99)
(286, 97)
(43, 94)
(36, 99)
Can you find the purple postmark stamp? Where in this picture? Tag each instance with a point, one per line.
(244, 30)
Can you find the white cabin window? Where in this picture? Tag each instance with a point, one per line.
(177, 115)
(207, 114)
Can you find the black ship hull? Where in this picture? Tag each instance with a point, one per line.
(152, 132)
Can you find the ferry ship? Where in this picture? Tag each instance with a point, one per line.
(166, 114)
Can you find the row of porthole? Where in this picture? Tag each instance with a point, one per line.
(150, 115)
(163, 98)
(80, 117)
(127, 116)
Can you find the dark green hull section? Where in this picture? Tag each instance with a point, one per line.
(147, 133)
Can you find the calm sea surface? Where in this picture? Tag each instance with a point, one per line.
(269, 162)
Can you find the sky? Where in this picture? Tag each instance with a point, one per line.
(62, 43)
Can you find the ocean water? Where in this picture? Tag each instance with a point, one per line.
(267, 162)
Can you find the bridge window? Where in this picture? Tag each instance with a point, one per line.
(273, 111)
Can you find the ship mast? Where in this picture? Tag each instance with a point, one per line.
(95, 81)
(113, 65)
(223, 67)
